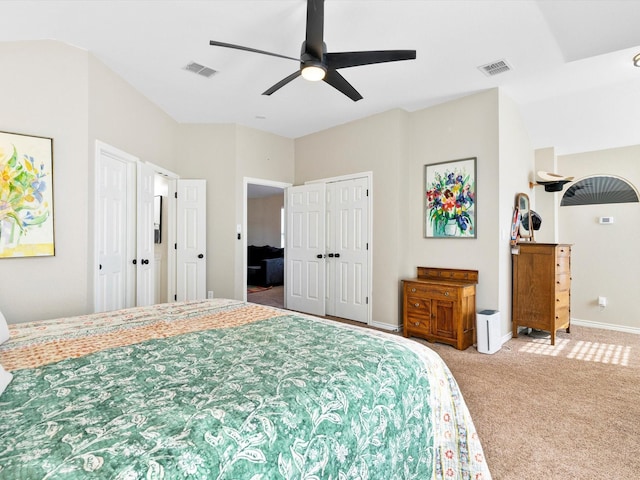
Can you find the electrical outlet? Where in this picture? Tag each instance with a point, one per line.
(602, 301)
(210, 294)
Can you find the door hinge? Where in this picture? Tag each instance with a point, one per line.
(367, 246)
(175, 298)
(175, 246)
(175, 194)
(367, 192)
(367, 300)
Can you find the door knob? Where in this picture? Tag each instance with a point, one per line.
(337, 255)
(330, 255)
(200, 255)
(319, 255)
(135, 262)
(145, 261)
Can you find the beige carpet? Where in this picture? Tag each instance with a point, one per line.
(566, 412)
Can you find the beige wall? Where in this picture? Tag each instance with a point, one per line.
(65, 93)
(263, 220)
(44, 92)
(604, 257)
(515, 167)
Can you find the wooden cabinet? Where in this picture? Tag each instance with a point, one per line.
(542, 287)
(440, 306)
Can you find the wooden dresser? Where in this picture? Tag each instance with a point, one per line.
(542, 287)
(440, 306)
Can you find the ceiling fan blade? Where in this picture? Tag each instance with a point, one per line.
(315, 28)
(338, 82)
(354, 59)
(282, 83)
(248, 49)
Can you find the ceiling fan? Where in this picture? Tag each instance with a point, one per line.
(316, 64)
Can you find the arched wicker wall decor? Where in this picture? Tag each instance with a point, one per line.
(599, 189)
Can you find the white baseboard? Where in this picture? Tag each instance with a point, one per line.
(604, 326)
(386, 326)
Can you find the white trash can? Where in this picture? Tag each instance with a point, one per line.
(488, 331)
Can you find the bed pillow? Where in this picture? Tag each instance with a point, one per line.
(4, 329)
(5, 379)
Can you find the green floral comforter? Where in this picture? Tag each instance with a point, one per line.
(287, 397)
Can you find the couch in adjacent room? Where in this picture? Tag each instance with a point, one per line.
(265, 265)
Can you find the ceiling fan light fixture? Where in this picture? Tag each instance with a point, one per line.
(636, 60)
(314, 73)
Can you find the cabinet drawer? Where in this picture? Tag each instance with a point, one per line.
(418, 307)
(420, 326)
(438, 292)
(564, 251)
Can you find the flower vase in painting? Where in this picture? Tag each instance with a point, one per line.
(450, 199)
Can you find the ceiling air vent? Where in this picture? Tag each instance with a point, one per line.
(200, 70)
(495, 68)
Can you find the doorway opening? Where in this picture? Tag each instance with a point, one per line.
(264, 242)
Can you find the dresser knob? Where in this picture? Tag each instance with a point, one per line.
(416, 304)
(417, 324)
(446, 294)
(413, 290)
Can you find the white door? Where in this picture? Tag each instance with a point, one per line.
(145, 258)
(305, 248)
(191, 247)
(347, 249)
(115, 242)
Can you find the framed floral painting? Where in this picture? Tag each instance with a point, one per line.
(26, 196)
(450, 199)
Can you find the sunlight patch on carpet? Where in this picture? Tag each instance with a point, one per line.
(541, 346)
(585, 351)
(601, 353)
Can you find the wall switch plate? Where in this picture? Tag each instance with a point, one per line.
(210, 294)
(602, 301)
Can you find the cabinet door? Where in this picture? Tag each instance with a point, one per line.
(443, 324)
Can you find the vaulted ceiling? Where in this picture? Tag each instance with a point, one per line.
(571, 61)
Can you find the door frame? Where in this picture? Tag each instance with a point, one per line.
(242, 229)
(369, 176)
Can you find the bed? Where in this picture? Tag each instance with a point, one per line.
(223, 389)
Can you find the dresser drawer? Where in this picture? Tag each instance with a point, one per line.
(563, 282)
(564, 251)
(562, 299)
(563, 265)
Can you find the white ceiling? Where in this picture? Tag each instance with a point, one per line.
(572, 76)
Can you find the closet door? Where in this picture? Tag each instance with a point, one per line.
(347, 249)
(145, 269)
(115, 279)
(305, 248)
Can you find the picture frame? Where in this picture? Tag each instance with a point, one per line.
(450, 199)
(26, 196)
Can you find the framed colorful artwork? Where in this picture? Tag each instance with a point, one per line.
(26, 196)
(450, 199)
